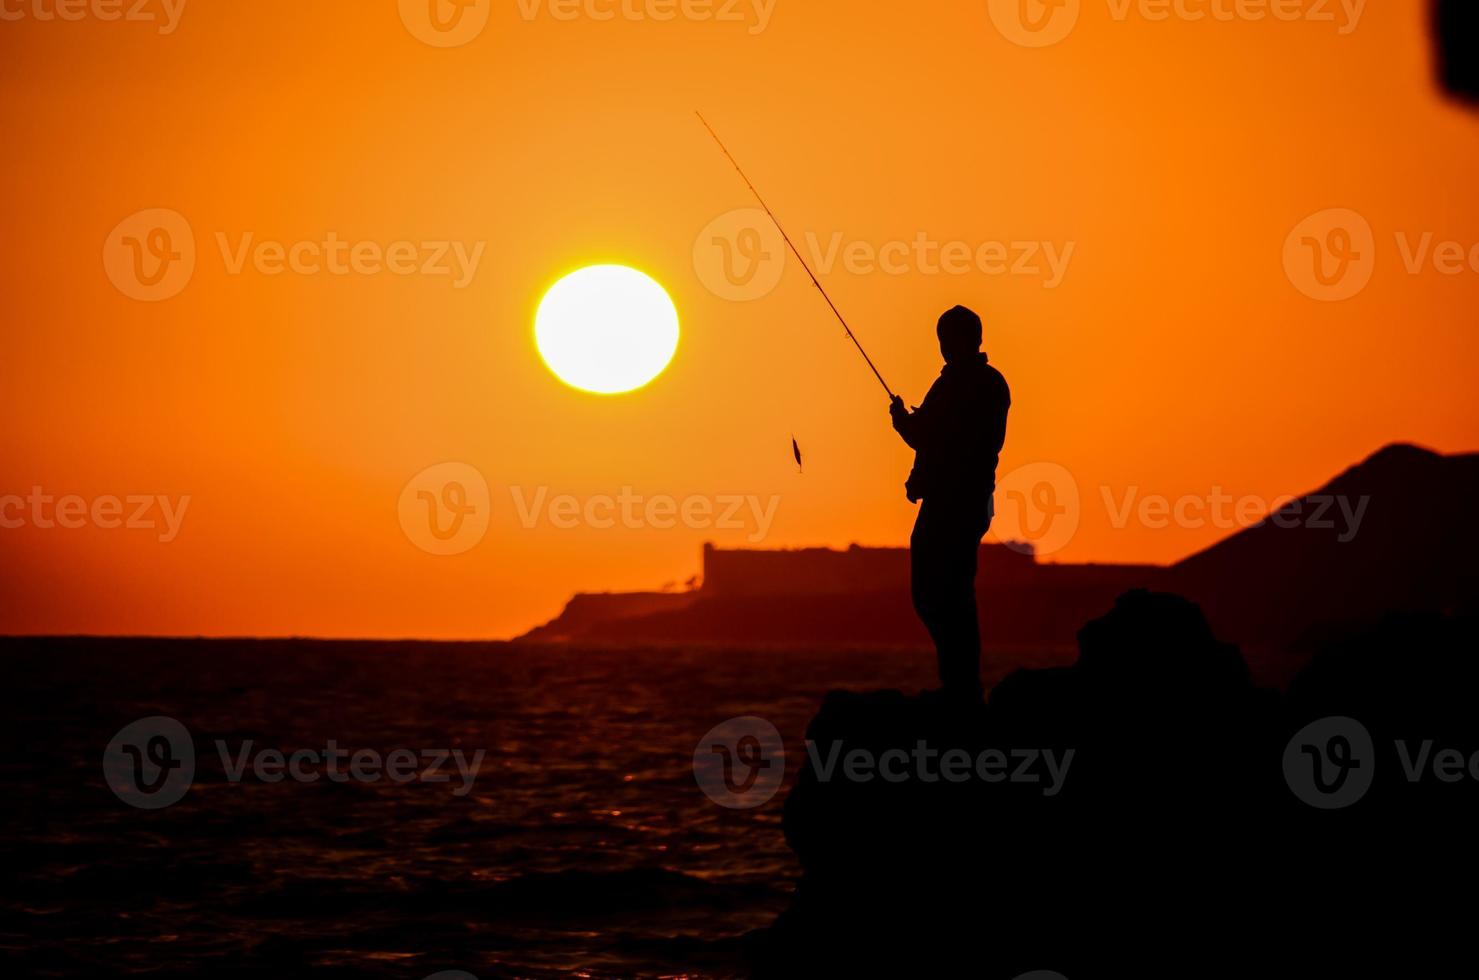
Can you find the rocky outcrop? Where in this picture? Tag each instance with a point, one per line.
(1134, 814)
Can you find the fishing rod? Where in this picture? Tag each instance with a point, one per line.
(794, 251)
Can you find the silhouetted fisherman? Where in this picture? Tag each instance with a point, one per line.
(956, 435)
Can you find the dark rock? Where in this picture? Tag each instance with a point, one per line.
(1171, 844)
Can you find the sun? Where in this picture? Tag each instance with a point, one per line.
(606, 329)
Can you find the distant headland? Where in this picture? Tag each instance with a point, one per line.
(1274, 588)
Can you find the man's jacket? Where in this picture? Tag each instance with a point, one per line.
(957, 434)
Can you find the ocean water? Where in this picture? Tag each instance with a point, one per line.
(584, 846)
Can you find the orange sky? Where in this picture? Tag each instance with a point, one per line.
(1174, 356)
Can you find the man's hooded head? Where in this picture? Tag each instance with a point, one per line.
(959, 331)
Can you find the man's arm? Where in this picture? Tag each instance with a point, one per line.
(911, 426)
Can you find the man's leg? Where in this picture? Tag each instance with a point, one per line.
(943, 552)
(960, 647)
(925, 561)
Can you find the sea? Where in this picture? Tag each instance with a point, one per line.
(583, 846)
